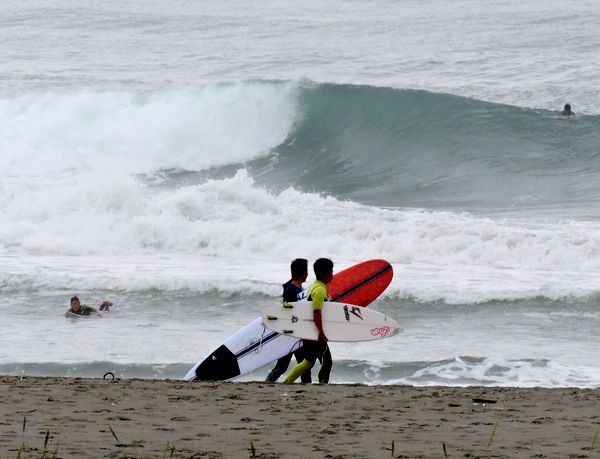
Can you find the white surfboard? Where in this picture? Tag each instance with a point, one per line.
(252, 347)
(341, 322)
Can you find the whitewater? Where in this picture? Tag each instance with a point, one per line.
(175, 158)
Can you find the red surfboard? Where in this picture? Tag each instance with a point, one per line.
(361, 284)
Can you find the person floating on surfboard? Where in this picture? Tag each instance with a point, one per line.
(293, 291)
(81, 310)
(317, 293)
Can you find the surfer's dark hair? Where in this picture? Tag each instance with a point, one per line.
(298, 268)
(74, 299)
(322, 267)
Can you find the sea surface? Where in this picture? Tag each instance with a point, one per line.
(175, 156)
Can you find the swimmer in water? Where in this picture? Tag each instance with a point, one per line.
(567, 111)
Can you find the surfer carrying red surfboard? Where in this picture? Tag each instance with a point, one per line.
(317, 293)
(357, 285)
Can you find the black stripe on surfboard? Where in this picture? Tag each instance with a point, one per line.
(361, 284)
(255, 345)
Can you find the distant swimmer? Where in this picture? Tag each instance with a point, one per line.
(567, 111)
(81, 310)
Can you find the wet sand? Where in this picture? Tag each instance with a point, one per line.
(164, 419)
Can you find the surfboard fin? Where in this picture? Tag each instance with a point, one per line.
(287, 305)
(287, 331)
(272, 317)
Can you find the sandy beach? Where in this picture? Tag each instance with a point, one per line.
(151, 418)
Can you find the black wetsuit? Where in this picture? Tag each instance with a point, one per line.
(291, 293)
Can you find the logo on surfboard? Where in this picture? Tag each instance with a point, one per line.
(381, 331)
(355, 311)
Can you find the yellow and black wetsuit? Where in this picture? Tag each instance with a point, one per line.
(317, 292)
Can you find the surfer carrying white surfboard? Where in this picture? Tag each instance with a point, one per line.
(317, 293)
(293, 291)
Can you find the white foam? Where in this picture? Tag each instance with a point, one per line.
(502, 372)
(106, 132)
(436, 255)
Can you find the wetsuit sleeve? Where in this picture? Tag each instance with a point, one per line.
(87, 310)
